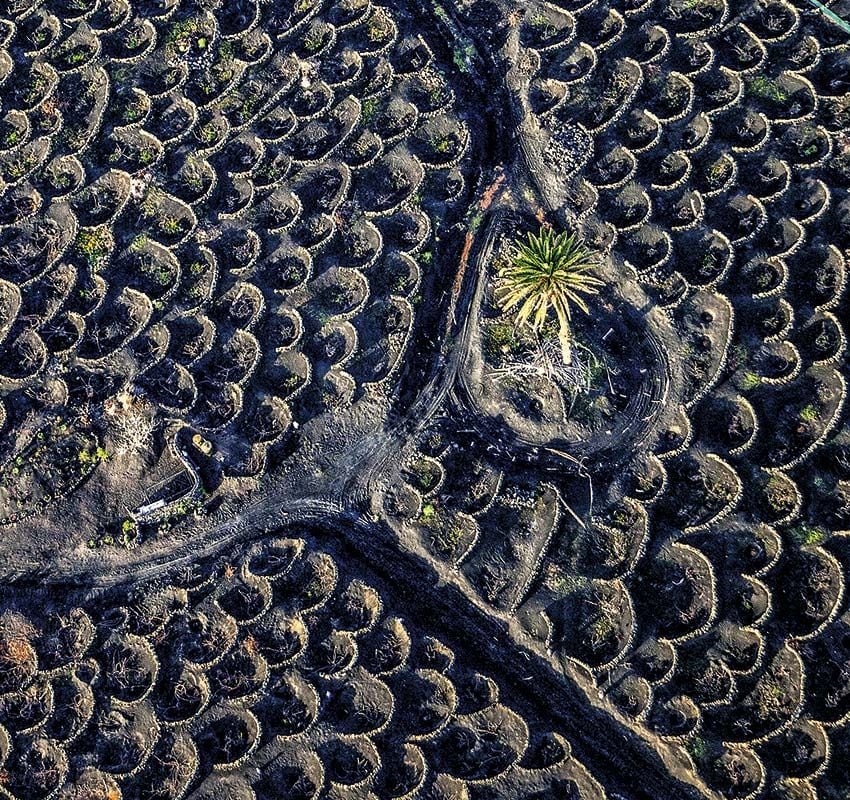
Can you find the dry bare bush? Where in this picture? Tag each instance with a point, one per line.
(132, 421)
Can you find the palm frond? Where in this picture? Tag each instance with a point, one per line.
(548, 270)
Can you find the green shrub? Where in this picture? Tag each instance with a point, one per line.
(807, 535)
(94, 245)
(766, 89)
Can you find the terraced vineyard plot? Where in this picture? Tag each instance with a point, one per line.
(293, 503)
(280, 672)
(228, 212)
(692, 557)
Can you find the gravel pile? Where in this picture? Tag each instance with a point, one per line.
(568, 148)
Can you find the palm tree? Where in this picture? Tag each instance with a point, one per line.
(550, 269)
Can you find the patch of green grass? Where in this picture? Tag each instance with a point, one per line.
(446, 535)
(208, 133)
(442, 144)
(133, 112)
(171, 226)
(313, 40)
(369, 108)
(447, 540)
(150, 204)
(11, 137)
(710, 260)
(378, 28)
(94, 245)
(36, 89)
(765, 88)
(423, 475)
(437, 95)
(809, 413)
(807, 535)
(697, 747)
(139, 243)
(501, 339)
(181, 30)
(92, 457)
(718, 170)
(750, 381)
(463, 57)
(147, 155)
